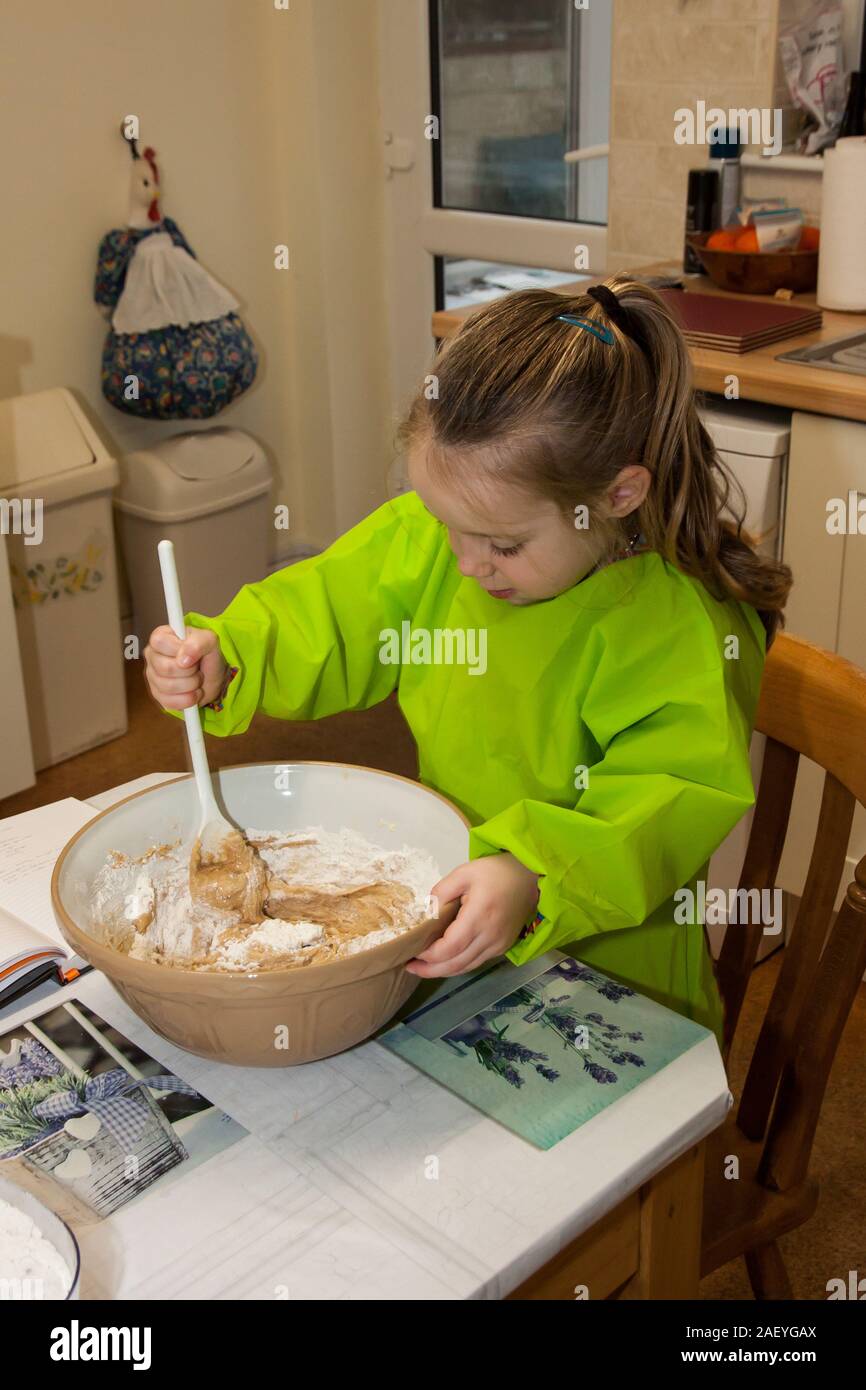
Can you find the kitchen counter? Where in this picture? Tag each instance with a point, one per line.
(761, 377)
(361, 1178)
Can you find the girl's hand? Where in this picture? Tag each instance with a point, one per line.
(182, 674)
(497, 894)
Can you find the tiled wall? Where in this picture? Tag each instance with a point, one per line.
(669, 54)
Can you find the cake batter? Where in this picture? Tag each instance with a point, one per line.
(278, 900)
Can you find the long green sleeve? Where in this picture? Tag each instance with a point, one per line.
(307, 640)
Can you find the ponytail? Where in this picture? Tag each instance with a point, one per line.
(682, 515)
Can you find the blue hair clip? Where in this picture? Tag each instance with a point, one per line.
(598, 331)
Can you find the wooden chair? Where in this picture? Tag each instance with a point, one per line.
(812, 704)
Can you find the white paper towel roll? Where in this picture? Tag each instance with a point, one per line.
(842, 260)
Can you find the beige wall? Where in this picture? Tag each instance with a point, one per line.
(266, 127)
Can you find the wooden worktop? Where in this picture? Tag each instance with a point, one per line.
(761, 377)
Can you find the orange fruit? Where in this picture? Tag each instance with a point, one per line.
(721, 241)
(747, 240)
(810, 238)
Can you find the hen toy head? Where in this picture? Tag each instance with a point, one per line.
(144, 189)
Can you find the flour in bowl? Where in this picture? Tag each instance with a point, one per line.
(328, 894)
(36, 1266)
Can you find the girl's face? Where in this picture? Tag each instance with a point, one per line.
(519, 548)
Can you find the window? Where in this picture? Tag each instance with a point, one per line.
(516, 84)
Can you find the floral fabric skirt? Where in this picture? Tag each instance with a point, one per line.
(176, 373)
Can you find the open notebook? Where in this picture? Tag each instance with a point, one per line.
(31, 946)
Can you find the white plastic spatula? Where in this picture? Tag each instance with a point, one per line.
(214, 826)
(225, 870)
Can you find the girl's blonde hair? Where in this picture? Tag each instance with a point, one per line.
(550, 408)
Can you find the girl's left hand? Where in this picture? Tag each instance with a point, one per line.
(497, 893)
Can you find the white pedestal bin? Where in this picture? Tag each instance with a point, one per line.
(207, 492)
(63, 573)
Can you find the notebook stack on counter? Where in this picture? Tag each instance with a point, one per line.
(737, 325)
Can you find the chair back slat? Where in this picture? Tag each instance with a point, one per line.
(812, 704)
(760, 867)
(782, 1022)
(815, 701)
(785, 1160)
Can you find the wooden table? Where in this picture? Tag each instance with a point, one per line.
(761, 377)
(329, 1195)
(649, 1247)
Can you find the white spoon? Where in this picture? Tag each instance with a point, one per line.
(214, 826)
(225, 870)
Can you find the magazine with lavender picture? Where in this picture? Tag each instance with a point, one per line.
(540, 1047)
(90, 1122)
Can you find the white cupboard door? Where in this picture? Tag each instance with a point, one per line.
(827, 466)
(16, 754)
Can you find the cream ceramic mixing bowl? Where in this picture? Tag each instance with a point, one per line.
(275, 1018)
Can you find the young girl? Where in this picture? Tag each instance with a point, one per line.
(565, 521)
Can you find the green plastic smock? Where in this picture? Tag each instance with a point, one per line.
(601, 736)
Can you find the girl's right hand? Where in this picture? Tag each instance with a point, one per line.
(180, 674)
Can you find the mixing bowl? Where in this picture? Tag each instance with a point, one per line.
(55, 1231)
(276, 1018)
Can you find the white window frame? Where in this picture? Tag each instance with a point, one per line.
(415, 231)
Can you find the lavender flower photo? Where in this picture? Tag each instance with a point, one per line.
(540, 1047)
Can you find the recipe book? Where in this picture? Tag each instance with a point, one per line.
(540, 1047)
(728, 324)
(32, 948)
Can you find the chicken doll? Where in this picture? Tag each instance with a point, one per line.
(176, 348)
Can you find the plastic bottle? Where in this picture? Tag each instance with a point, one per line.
(725, 151)
(701, 201)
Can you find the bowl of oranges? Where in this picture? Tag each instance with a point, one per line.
(734, 261)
